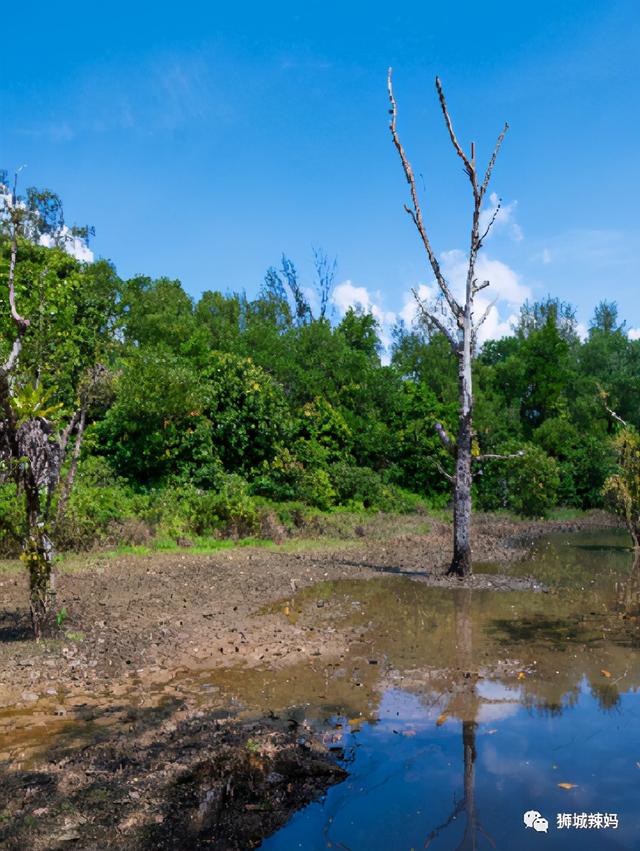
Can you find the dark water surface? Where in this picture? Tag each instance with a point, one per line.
(456, 712)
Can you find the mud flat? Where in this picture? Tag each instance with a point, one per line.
(190, 701)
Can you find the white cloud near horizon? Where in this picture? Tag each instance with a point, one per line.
(506, 288)
(73, 245)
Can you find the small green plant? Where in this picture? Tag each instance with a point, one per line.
(75, 636)
(61, 616)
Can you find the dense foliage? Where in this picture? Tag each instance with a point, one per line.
(220, 406)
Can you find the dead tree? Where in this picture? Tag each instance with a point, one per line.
(457, 321)
(33, 445)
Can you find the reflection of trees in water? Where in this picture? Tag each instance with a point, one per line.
(628, 592)
(473, 829)
(468, 704)
(607, 695)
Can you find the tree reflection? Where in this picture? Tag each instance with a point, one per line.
(465, 704)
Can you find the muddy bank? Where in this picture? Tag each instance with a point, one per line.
(201, 783)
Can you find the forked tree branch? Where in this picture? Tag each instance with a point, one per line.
(469, 164)
(430, 316)
(416, 212)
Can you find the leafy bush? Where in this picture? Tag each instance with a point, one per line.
(186, 510)
(11, 520)
(102, 509)
(356, 484)
(527, 485)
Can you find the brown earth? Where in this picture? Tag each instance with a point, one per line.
(99, 746)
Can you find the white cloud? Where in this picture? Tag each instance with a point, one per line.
(634, 333)
(505, 282)
(73, 245)
(506, 289)
(505, 219)
(426, 294)
(347, 295)
(582, 331)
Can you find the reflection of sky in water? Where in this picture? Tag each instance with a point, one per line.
(407, 773)
(565, 720)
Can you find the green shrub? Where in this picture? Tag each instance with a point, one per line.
(102, 509)
(11, 520)
(187, 510)
(527, 485)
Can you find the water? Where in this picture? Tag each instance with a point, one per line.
(478, 707)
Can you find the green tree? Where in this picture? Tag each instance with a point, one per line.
(622, 489)
(38, 433)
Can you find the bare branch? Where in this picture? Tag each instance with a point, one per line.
(67, 485)
(416, 212)
(68, 430)
(20, 321)
(430, 317)
(490, 456)
(604, 398)
(483, 318)
(492, 161)
(444, 438)
(11, 361)
(482, 286)
(491, 223)
(469, 165)
(443, 472)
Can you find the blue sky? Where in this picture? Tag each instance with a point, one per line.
(202, 141)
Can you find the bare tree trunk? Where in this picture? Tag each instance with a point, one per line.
(461, 561)
(38, 555)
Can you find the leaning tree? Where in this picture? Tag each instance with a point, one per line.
(41, 427)
(456, 319)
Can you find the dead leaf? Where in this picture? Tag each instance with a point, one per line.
(287, 610)
(567, 785)
(441, 719)
(605, 673)
(521, 675)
